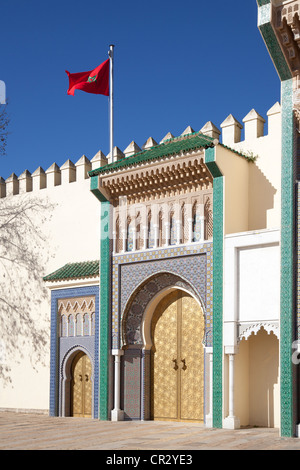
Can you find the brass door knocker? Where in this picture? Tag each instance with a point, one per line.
(184, 367)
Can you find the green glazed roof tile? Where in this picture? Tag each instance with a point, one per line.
(169, 147)
(74, 271)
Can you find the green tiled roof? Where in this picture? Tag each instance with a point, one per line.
(74, 271)
(169, 147)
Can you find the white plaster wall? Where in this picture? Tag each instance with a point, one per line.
(251, 281)
(69, 226)
(258, 283)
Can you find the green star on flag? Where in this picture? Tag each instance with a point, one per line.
(92, 79)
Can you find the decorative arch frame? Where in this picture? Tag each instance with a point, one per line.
(136, 318)
(189, 269)
(63, 347)
(66, 377)
(137, 338)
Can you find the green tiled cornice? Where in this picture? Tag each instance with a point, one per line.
(262, 2)
(74, 271)
(211, 163)
(168, 148)
(95, 189)
(218, 237)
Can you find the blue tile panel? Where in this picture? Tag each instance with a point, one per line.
(191, 264)
(132, 382)
(54, 344)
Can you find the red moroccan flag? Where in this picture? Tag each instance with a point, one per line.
(95, 81)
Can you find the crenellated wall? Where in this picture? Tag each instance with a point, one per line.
(264, 145)
(54, 176)
(65, 216)
(259, 139)
(250, 138)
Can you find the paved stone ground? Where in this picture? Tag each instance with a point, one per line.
(21, 431)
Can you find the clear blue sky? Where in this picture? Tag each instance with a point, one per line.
(176, 64)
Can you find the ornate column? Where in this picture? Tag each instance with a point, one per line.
(190, 225)
(209, 416)
(167, 232)
(117, 414)
(202, 227)
(145, 236)
(178, 231)
(155, 235)
(114, 241)
(133, 238)
(231, 421)
(123, 240)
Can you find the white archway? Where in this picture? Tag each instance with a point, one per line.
(257, 384)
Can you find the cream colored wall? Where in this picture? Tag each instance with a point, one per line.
(236, 181)
(265, 173)
(68, 225)
(264, 380)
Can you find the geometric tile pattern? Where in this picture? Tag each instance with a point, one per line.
(131, 320)
(59, 347)
(191, 264)
(104, 313)
(132, 378)
(218, 304)
(218, 234)
(288, 178)
(287, 260)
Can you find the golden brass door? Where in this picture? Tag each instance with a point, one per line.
(177, 375)
(81, 390)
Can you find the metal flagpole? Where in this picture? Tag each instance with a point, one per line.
(111, 101)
